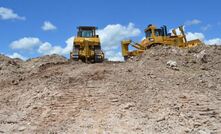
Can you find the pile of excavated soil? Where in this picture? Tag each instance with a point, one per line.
(10, 69)
(165, 90)
(48, 60)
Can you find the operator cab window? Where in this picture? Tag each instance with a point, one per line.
(158, 32)
(148, 33)
(86, 33)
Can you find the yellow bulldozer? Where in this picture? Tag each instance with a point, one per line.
(86, 46)
(157, 36)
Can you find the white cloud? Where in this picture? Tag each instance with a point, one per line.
(192, 22)
(6, 14)
(111, 37)
(114, 55)
(26, 43)
(17, 55)
(193, 36)
(205, 28)
(47, 48)
(190, 35)
(69, 45)
(34, 43)
(215, 41)
(47, 26)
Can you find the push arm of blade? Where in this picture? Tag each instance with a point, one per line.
(138, 46)
(125, 47)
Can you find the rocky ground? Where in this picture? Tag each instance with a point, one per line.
(166, 90)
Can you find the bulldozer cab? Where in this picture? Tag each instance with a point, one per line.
(155, 35)
(151, 31)
(87, 32)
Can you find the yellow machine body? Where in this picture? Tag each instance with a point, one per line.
(86, 46)
(157, 36)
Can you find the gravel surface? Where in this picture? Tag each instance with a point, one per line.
(165, 90)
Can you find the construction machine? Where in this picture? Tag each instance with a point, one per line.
(158, 36)
(87, 46)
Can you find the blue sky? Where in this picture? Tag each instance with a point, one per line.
(198, 16)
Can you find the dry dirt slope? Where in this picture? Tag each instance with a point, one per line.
(166, 90)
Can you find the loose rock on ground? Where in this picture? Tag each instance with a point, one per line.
(144, 95)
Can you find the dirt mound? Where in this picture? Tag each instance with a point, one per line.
(166, 90)
(10, 69)
(45, 60)
(7, 62)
